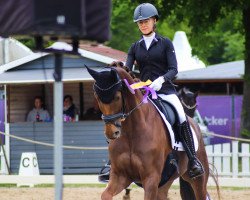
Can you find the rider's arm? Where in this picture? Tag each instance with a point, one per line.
(172, 62)
(131, 57)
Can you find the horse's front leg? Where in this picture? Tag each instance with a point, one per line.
(150, 185)
(115, 186)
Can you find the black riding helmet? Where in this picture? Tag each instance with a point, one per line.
(145, 11)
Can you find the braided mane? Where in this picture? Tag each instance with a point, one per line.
(121, 65)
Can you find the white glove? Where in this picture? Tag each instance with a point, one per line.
(157, 83)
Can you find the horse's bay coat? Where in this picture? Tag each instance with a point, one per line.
(139, 145)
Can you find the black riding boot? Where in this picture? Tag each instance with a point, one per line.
(104, 173)
(195, 167)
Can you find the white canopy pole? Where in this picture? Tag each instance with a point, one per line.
(58, 127)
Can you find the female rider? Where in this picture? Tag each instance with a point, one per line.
(156, 59)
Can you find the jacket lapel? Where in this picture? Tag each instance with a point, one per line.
(142, 43)
(155, 40)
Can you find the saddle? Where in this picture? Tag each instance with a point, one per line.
(170, 113)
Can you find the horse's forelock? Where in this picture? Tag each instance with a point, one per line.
(119, 64)
(107, 84)
(125, 73)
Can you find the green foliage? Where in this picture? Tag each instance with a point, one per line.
(27, 41)
(245, 133)
(223, 42)
(30, 42)
(213, 41)
(124, 30)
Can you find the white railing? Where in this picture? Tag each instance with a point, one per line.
(3, 168)
(230, 160)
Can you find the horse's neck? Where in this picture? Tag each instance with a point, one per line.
(141, 110)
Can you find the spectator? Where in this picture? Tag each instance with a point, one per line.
(70, 112)
(38, 113)
(93, 113)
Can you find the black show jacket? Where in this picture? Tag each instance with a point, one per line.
(158, 60)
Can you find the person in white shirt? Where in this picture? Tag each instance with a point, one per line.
(38, 113)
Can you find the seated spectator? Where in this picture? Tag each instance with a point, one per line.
(70, 112)
(38, 113)
(93, 113)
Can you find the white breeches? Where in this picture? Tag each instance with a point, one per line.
(174, 101)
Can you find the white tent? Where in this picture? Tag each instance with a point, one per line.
(184, 53)
(11, 49)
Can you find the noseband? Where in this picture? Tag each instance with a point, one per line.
(188, 106)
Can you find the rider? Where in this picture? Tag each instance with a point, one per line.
(156, 59)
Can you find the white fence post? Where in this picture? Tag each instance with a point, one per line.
(245, 154)
(217, 157)
(235, 157)
(209, 150)
(226, 155)
(2, 159)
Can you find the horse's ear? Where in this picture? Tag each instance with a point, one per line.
(93, 73)
(196, 94)
(115, 74)
(183, 92)
(186, 90)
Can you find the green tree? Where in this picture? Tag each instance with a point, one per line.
(223, 42)
(202, 17)
(124, 31)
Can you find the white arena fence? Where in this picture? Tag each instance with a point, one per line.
(230, 159)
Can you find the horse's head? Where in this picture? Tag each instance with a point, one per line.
(108, 88)
(188, 100)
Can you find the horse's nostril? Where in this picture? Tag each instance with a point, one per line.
(117, 134)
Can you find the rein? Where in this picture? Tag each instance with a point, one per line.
(112, 119)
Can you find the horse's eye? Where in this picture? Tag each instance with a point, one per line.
(117, 98)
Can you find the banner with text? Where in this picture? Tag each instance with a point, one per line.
(222, 114)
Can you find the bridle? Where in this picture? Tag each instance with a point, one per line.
(188, 106)
(112, 119)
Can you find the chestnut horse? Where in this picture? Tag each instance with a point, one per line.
(139, 141)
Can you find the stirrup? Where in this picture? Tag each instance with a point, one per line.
(104, 174)
(195, 168)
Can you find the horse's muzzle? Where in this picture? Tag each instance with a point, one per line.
(112, 131)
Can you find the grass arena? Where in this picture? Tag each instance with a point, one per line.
(93, 192)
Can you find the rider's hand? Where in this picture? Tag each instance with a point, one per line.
(157, 83)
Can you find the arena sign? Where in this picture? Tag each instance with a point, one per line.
(222, 114)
